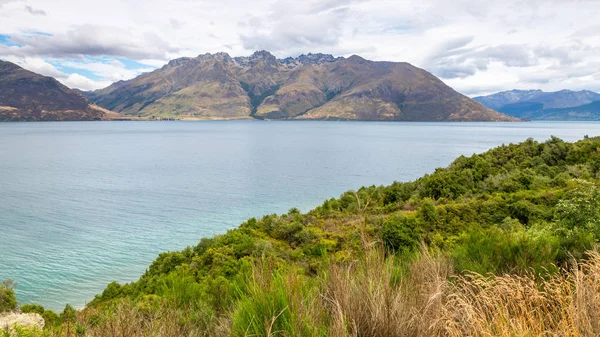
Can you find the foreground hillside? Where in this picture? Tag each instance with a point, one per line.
(314, 86)
(485, 247)
(26, 96)
(540, 105)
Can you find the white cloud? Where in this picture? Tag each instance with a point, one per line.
(37, 65)
(35, 11)
(73, 80)
(476, 46)
(82, 82)
(111, 70)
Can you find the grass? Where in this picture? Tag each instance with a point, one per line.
(377, 295)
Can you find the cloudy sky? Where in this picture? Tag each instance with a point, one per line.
(477, 47)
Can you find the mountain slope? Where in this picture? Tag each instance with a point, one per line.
(27, 96)
(313, 86)
(587, 112)
(536, 104)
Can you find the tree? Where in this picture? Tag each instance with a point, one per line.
(428, 213)
(399, 233)
(580, 207)
(8, 299)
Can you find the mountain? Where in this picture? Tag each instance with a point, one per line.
(587, 112)
(27, 96)
(313, 86)
(537, 104)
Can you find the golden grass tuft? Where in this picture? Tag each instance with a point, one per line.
(565, 304)
(370, 298)
(377, 296)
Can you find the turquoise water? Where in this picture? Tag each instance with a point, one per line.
(86, 203)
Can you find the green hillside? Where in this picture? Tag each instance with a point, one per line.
(393, 260)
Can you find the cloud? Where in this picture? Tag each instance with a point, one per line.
(40, 66)
(72, 73)
(464, 62)
(37, 65)
(109, 70)
(4, 2)
(313, 25)
(81, 82)
(34, 11)
(93, 40)
(546, 44)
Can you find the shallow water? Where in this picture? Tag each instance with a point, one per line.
(86, 203)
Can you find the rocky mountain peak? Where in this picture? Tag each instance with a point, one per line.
(261, 57)
(262, 54)
(182, 61)
(309, 58)
(309, 86)
(220, 56)
(356, 59)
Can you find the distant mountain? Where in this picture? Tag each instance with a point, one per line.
(537, 104)
(27, 96)
(313, 86)
(587, 112)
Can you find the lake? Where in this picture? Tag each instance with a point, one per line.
(86, 203)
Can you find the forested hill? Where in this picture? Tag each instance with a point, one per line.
(519, 209)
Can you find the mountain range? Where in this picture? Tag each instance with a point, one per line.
(260, 86)
(540, 105)
(27, 96)
(313, 86)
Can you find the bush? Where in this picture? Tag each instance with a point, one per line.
(507, 248)
(32, 308)
(400, 233)
(50, 318)
(8, 299)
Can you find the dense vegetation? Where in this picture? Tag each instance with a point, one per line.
(410, 259)
(8, 300)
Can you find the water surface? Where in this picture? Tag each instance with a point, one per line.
(86, 203)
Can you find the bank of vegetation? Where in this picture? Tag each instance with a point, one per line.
(497, 244)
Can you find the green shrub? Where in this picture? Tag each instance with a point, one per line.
(32, 308)
(507, 248)
(277, 304)
(8, 299)
(50, 318)
(399, 233)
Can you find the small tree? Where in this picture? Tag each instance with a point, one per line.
(8, 299)
(428, 213)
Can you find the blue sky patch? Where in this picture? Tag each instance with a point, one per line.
(399, 29)
(131, 64)
(7, 41)
(35, 32)
(58, 64)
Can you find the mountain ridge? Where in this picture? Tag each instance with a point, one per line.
(27, 96)
(311, 86)
(537, 104)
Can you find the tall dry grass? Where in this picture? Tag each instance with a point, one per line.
(369, 299)
(124, 319)
(566, 304)
(377, 296)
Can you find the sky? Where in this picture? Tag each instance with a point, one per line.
(477, 46)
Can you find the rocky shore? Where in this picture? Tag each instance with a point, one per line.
(8, 320)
